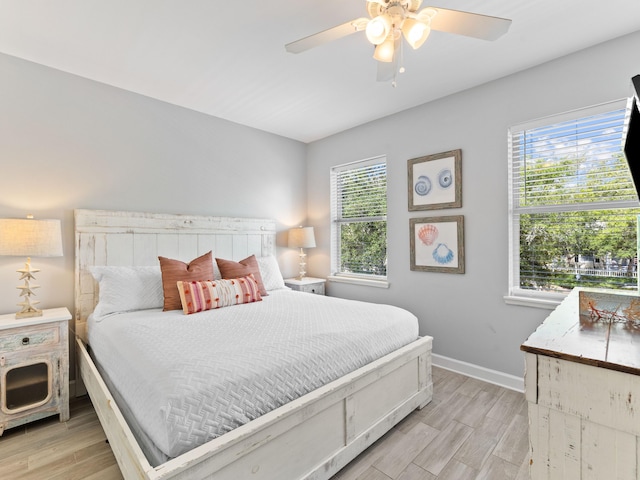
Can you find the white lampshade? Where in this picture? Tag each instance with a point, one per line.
(302, 237)
(30, 238)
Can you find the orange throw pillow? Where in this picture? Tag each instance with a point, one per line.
(174, 271)
(243, 268)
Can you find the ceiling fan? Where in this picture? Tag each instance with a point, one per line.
(390, 20)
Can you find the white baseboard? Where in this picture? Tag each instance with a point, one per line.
(481, 373)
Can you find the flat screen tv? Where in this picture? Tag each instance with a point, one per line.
(631, 132)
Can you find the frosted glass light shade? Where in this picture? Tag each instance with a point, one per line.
(384, 52)
(30, 238)
(302, 237)
(415, 32)
(378, 29)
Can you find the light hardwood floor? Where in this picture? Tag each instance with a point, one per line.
(471, 430)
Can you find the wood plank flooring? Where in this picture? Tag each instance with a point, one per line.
(472, 430)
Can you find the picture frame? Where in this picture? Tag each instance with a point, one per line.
(435, 181)
(437, 244)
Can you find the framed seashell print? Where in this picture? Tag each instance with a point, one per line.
(437, 244)
(435, 181)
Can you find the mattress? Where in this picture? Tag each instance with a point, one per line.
(183, 380)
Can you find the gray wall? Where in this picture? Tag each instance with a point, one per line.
(68, 142)
(466, 314)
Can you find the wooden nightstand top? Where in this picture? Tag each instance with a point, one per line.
(48, 315)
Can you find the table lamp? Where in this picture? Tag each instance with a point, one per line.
(29, 238)
(302, 237)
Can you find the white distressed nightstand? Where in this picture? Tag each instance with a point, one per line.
(34, 367)
(307, 284)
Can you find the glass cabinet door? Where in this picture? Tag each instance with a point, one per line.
(26, 386)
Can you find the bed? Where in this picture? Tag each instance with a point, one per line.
(312, 436)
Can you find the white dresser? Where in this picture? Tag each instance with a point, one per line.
(582, 385)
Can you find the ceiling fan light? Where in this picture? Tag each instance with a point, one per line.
(384, 52)
(415, 32)
(378, 29)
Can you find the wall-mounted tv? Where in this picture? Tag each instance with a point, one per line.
(631, 132)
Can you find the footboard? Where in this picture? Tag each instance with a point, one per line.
(312, 437)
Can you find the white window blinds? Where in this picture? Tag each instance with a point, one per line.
(573, 204)
(359, 213)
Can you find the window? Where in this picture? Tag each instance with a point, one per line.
(573, 208)
(359, 219)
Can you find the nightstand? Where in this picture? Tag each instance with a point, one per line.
(34, 367)
(307, 284)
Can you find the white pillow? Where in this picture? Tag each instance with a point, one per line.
(124, 289)
(270, 272)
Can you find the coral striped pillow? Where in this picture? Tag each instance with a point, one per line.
(207, 295)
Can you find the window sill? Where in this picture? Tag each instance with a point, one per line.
(523, 301)
(367, 282)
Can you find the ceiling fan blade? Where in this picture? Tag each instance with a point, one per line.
(326, 36)
(469, 24)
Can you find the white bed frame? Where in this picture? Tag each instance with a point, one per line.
(312, 437)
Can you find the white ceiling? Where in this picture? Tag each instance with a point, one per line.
(227, 59)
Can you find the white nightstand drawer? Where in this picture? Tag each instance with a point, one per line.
(17, 339)
(317, 288)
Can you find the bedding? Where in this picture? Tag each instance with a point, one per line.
(186, 379)
(198, 269)
(247, 266)
(270, 273)
(124, 289)
(200, 296)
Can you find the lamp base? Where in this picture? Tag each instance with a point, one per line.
(29, 312)
(302, 272)
(26, 290)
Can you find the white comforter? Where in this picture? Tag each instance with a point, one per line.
(188, 379)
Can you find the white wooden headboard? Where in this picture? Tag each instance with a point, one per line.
(136, 239)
